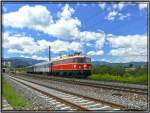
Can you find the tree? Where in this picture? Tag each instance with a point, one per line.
(130, 65)
(113, 70)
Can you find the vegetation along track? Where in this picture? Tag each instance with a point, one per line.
(96, 85)
(77, 101)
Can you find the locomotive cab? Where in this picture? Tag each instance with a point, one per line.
(83, 64)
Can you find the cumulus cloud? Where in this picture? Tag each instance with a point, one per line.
(31, 17)
(113, 6)
(122, 17)
(66, 12)
(89, 44)
(98, 37)
(4, 9)
(95, 53)
(102, 5)
(76, 46)
(65, 28)
(128, 40)
(142, 6)
(114, 11)
(36, 57)
(27, 45)
(59, 45)
(121, 6)
(112, 15)
(17, 44)
(129, 48)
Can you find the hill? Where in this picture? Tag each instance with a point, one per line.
(18, 62)
(128, 64)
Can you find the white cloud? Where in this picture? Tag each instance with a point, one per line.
(31, 17)
(115, 11)
(128, 52)
(105, 60)
(66, 12)
(95, 53)
(84, 4)
(113, 6)
(129, 48)
(39, 58)
(89, 44)
(122, 17)
(89, 36)
(18, 44)
(142, 6)
(56, 46)
(27, 45)
(59, 45)
(98, 37)
(76, 46)
(36, 57)
(121, 5)
(65, 28)
(102, 5)
(112, 15)
(128, 40)
(60, 4)
(4, 9)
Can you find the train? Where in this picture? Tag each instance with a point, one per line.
(73, 66)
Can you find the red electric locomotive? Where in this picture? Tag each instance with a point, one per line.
(73, 65)
(79, 66)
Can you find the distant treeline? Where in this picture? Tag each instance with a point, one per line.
(119, 70)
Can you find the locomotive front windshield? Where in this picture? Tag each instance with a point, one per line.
(82, 60)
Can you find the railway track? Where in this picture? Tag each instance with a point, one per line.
(99, 85)
(70, 100)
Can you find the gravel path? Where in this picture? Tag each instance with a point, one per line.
(131, 100)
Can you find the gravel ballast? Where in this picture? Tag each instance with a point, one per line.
(131, 100)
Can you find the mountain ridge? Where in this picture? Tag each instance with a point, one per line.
(18, 62)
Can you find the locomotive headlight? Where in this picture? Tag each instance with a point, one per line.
(75, 66)
(85, 65)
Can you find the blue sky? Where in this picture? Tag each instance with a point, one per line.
(114, 32)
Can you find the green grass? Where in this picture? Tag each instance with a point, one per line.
(127, 79)
(14, 99)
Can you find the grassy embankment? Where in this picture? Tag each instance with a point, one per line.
(119, 73)
(14, 99)
(127, 79)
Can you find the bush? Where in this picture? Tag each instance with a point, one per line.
(113, 70)
(142, 79)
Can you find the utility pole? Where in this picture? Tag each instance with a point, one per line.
(49, 53)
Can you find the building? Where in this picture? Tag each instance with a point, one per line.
(6, 66)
